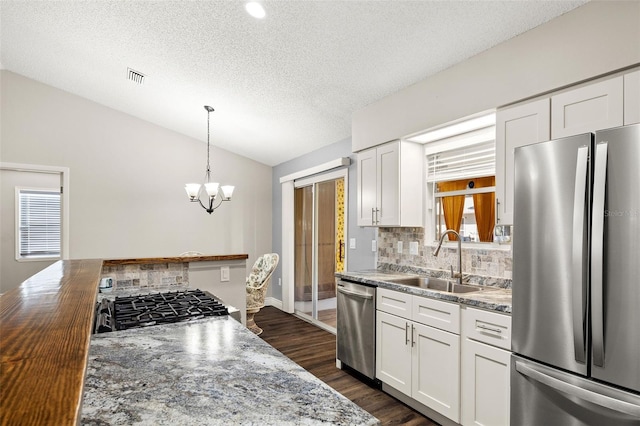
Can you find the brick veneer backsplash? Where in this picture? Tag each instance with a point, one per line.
(488, 260)
(147, 276)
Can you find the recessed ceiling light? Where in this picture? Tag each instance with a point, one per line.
(255, 9)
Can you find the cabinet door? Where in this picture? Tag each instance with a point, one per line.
(588, 108)
(632, 98)
(367, 181)
(436, 370)
(388, 194)
(485, 384)
(393, 351)
(516, 126)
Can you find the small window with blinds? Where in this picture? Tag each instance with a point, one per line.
(461, 182)
(38, 224)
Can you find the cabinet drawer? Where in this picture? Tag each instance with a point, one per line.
(435, 313)
(394, 302)
(487, 327)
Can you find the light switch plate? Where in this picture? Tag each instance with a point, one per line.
(224, 273)
(374, 246)
(413, 247)
(352, 243)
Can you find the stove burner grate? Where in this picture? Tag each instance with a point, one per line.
(158, 308)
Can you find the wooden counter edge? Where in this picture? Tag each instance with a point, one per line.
(174, 259)
(46, 332)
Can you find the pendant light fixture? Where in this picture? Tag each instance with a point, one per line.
(213, 189)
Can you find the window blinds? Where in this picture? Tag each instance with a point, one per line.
(470, 155)
(39, 223)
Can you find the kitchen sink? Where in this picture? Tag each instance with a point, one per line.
(437, 284)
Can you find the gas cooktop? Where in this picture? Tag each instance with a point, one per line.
(156, 308)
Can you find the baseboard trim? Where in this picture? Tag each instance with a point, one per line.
(272, 301)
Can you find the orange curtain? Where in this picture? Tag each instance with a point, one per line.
(484, 208)
(453, 206)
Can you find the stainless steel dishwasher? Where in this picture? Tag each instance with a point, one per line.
(356, 328)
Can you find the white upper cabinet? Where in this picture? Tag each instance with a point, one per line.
(632, 98)
(588, 108)
(390, 186)
(516, 126)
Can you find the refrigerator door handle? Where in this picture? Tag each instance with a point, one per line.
(577, 255)
(585, 395)
(597, 253)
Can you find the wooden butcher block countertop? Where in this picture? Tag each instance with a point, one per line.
(45, 330)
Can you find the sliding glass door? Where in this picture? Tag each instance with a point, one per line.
(319, 246)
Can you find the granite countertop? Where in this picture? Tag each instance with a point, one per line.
(210, 371)
(493, 298)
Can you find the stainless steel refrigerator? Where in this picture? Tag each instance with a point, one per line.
(576, 281)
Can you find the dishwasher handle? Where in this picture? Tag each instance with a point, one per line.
(343, 290)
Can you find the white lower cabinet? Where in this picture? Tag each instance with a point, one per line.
(485, 374)
(453, 360)
(421, 361)
(436, 370)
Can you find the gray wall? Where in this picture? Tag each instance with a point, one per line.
(594, 39)
(127, 177)
(360, 258)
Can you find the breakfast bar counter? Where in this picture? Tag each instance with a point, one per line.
(207, 371)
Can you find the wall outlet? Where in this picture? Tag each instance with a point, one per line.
(352, 243)
(399, 247)
(224, 273)
(413, 247)
(279, 282)
(374, 246)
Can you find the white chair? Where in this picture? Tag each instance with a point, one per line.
(257, 285)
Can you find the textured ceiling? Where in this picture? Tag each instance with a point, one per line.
(281, 87)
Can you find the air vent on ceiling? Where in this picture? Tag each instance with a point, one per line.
(135, 76)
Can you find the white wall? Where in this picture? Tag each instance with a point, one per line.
(127, 195)
(594, 39)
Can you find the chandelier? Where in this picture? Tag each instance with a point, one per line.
(213, 189)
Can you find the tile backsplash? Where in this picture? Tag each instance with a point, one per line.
(147, 276)
(487, 260)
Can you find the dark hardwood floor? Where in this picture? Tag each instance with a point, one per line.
(315, 350)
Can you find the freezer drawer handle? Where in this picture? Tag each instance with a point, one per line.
(573, 390)
(597, 253)
(354, 293)
(577, 254)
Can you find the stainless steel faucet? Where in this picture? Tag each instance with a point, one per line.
(437, 250)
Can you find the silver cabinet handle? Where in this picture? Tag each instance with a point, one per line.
(354, 293)
(413, 342)
(497, 210)
(484, 327)
(577, 254)
(377, 220)
(597, 241)
(406, 333)
(573, 390)
(373, 222)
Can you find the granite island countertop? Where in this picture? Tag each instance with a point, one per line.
(211, 371)
(492, 298)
